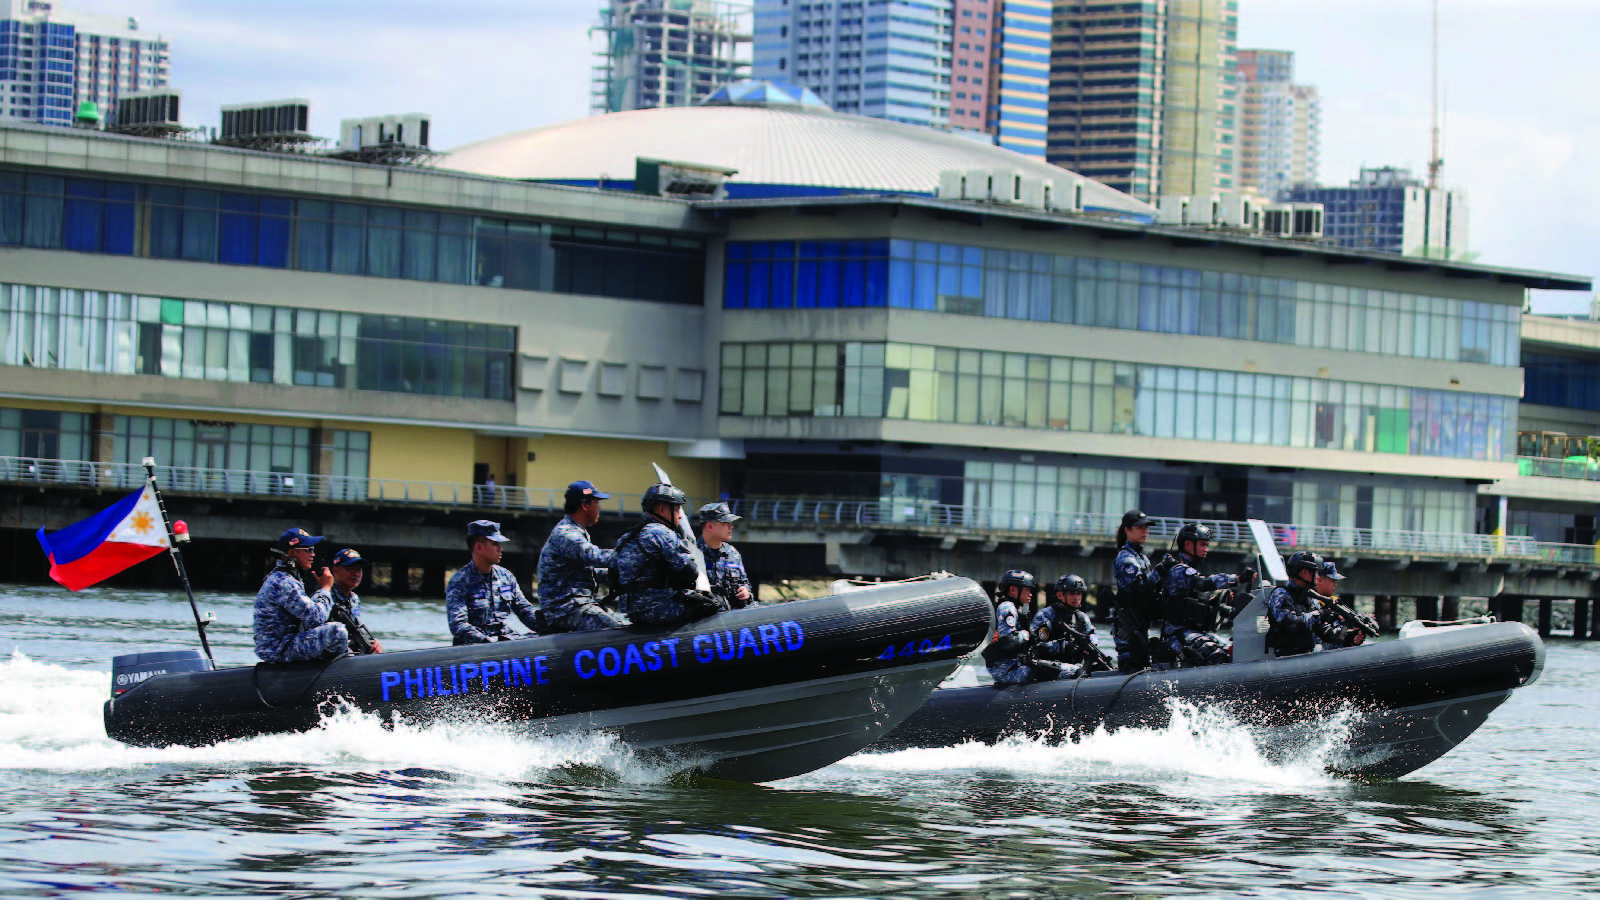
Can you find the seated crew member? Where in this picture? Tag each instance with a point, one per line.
(1293, 615)
(567, 585)
(1337, 632)
(1190, 602)
(1137, 591)
(655, 572)
(483, 593)
(1061, 629)
(348, 569)
(290, 626)
(1009, 657)
(724, 565)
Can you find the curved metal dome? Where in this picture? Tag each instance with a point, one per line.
(779, 149)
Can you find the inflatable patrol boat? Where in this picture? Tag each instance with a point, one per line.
(755, 694)
(1404, 703)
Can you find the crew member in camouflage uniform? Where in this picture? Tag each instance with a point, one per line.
(290, 626)
(1065, 613)
(655, 572)
(567, 584)
(1137, 590)
(1009, 657)
(349, 568)
(1190, 605)
(724, 565)
(482, 593)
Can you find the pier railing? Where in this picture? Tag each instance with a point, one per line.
(910, 515)
(1577, 469)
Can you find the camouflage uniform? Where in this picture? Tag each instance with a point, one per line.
(1184, 581)
(1049, 629)
(1130, 629)
(1006, 655)
(477, 605)
(656, 573)
(567, 584)
(725, 570)
(1294, 618)
(291, 627)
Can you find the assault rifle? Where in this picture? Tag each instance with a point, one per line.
(1094, 659)
(1347, 615)
(361, 640)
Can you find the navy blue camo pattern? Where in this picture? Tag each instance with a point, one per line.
(477, 605)
(1294, 620)
(725, 570)
(1184, 580)
(292, 627)
(655, 570)
(567, 586)
(1017, 667)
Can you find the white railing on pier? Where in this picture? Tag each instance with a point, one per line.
(991, 523)
(1542, 467)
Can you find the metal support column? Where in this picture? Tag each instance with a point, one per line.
(1452, 609)
(1580, 617)
(1546, 607)
(1510, 608)
(1428, 608)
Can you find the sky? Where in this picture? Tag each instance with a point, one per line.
(1521, 126)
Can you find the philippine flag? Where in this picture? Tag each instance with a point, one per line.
(89, 552)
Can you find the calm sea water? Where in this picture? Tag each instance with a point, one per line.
(351, 809)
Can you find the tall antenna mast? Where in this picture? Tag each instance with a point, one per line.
(1435, 162)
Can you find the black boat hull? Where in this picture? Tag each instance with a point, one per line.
(1413, 700)
(752, 695)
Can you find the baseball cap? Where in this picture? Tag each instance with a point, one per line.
(1134, 518)
(347, 557)
(1328, 570)
(585, 489)
(298, 539)
(486, 528)
(716, 512)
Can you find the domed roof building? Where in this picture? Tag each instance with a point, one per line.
(782, 140)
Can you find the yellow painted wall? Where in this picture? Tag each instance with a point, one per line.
(412, 453)
(615, 466)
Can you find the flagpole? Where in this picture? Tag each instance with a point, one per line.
(177, 556)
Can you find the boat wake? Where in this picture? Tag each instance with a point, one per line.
(51, 720)
(1196, 742)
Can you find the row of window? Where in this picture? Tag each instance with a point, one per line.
(201, 225)
(95, 331)
(1015, 390)
(256, 458)
(1560, 381)
(1105, 293)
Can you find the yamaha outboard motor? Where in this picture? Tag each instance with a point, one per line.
(132, 669)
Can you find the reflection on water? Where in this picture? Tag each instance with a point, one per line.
(472, 810)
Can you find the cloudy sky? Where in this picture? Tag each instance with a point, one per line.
(1521, 128)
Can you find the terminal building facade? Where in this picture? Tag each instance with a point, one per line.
(333, 333)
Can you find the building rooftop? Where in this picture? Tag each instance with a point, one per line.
(782, 145)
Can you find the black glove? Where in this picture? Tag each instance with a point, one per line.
(1248, 577)
(1334, 634)
(703, 604)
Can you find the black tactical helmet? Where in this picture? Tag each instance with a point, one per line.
(1303, 561)
(663, 493)
(1017, 578)
(1192, 531)
(1071, 583)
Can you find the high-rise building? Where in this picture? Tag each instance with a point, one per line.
(1019, 75)
(52, 60)
(1280, 134)
(1142, 94)
(860, 58)
(657, 53)
(980, 66)
(1389, 209)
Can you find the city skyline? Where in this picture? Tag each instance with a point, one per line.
(1510, 146)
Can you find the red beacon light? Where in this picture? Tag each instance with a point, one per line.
(180, 531)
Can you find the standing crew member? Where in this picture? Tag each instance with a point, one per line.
(290, 626)
(1062, 630)
(724, 565)
(481, 594)
(1009, 656)
(348, 569)
(655, 573)
(1138, 588)
(1191, 604)
(567, 584)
